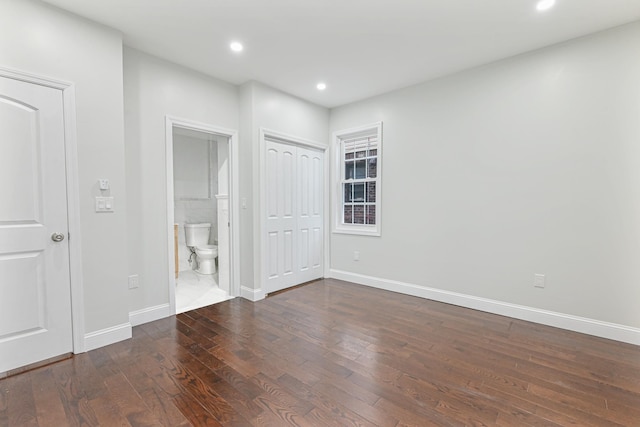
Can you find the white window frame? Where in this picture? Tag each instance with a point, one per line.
(374, 129)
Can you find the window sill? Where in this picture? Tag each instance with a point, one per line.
(368, 231)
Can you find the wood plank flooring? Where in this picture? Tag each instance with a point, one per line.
(333, 353)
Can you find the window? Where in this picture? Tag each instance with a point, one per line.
(358, 157)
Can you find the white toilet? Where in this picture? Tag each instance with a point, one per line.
(197, 239)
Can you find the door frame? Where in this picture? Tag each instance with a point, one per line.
(73, 196)
(172, 122)
(260, 223)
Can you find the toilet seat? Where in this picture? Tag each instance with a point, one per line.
(207, 251)
(206, 256)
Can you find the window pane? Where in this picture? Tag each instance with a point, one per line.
(348, 193)
(358, 193)
(349, 170)
(371, 192)
(357, 155)
(371, 214)
(358, 214)
(373, 168)
(361, 166)
(348, 214)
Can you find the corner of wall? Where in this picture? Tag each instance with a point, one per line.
(252, 294)
(246, 92)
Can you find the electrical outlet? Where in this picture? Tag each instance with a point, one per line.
(103, 184)
(134, 281)
(538, 280)
(356, 255)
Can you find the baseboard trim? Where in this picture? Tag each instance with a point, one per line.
(149, 314)
(569, 322)
(107, 336)
(251, 294)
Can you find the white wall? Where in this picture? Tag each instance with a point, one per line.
(529, 165)
(43, 40)
(246, 182)
(264, 107)
(195, 163)
(154, 88)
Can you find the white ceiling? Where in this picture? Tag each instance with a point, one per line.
(360, 48)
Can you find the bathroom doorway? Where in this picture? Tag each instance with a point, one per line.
(199, 193)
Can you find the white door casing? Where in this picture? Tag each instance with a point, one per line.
(35, 290)
(293, 234)
(231, 203)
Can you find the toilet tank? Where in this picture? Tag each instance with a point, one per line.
(197, 234)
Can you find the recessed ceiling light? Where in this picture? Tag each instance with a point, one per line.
(236, 46)
(321, 86)
(545, 5)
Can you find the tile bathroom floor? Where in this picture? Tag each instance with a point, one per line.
(195, 290)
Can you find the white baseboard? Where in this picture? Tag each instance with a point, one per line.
(251, 294)
(107, 336)
(149, 314)
(583, 325)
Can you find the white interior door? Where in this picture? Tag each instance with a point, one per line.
(309, 220)
(294, 222)
(35, 300)
(281, 216)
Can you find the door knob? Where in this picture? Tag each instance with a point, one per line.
(57, 237)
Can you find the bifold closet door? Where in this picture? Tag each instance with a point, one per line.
(294, 223)
(310, 219)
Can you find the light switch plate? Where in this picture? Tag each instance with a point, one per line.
(104, 204)
(538, 280)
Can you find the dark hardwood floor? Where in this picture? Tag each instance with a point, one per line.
(335, 354)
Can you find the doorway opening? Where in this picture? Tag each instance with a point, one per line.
(202, 239)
